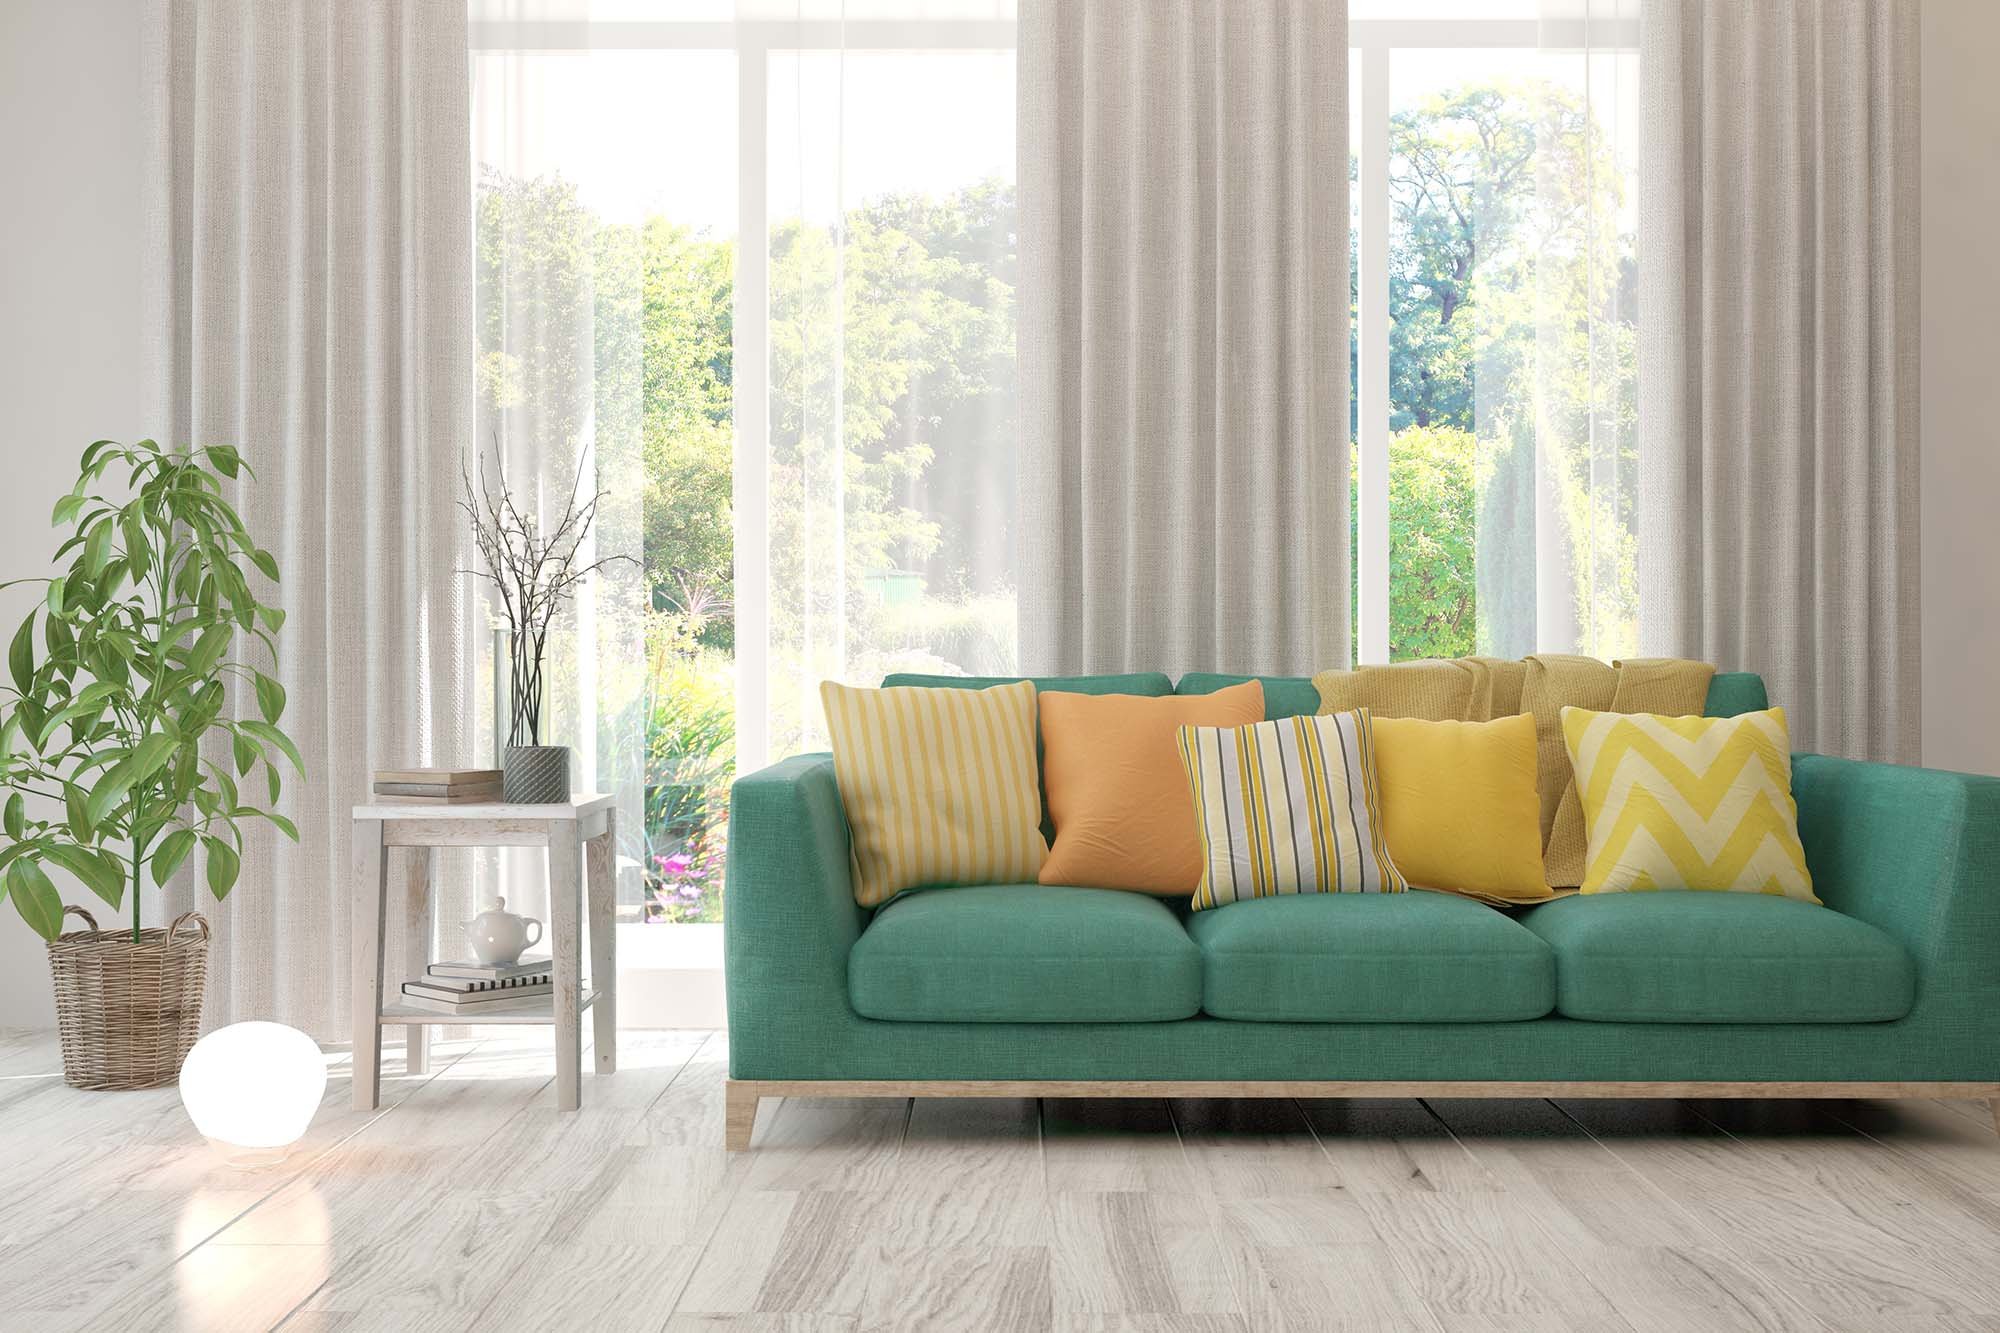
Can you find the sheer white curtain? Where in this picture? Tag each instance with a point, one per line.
(1555, 370)
(751, 266)
(308, 299)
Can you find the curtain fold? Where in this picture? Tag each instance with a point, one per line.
(308, 297)
(1184, 309)
(1778, 390)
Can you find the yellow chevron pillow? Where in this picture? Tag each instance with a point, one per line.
(1687, 802)
(939, 785)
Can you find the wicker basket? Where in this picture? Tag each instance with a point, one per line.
(128, 1011)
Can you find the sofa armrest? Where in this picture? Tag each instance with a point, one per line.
(789, 916)
(1914, 852)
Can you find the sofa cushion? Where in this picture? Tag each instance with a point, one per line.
(1692, 957)
(1416, 957)
(1025, 953)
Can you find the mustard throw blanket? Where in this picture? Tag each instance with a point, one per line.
(1479, 689)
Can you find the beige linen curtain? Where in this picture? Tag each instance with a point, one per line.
(1778, 364)
(309, 298)
(1182, 335)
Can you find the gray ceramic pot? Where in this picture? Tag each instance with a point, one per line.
(536, 775)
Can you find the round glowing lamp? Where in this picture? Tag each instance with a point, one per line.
(253, 1088)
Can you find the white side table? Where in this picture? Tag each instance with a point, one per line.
(586, 827)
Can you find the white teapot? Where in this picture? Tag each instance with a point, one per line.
(498, 936)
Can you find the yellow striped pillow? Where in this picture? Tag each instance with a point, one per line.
(939, 785)
(1289, 806)
(1688, 802)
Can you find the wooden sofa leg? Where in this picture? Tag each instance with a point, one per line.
(739, 1115)
(1993, 1105)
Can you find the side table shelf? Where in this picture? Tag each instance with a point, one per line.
(580, 838)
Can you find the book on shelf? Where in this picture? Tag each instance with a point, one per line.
(460, 796)
(450, 778)
(445, 987)
(489, 971)
(438, 786)
(493, 1002)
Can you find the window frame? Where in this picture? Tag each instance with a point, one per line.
(1371, 41)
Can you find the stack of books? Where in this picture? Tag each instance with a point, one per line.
(437, 786)
(476, 988)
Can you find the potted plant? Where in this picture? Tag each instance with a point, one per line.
(119, 752)
(535, 571)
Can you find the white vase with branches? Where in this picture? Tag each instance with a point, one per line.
(535, 569)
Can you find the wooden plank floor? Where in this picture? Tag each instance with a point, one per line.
(466, 1202)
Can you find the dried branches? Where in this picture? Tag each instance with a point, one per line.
(533, 573)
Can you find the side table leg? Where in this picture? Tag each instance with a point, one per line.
(565, 915)
(371, 884)
(418, 913)
(602, 889)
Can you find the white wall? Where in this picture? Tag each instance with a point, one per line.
(70, 144)
(1961, 385)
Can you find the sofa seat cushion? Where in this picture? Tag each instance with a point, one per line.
(1680, 956)
(1416, 957)
(1025, 953)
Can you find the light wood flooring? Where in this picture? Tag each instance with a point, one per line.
(466, 1202)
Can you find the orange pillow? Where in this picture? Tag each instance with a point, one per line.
(1111, 768)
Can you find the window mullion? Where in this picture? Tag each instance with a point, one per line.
(751, 405)
(1372, 470)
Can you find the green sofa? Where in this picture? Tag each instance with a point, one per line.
(1892, 988)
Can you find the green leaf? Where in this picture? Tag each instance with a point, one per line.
(272, 782)
(223, 865)
(97, 549)
(285, 826)
(138, 553)
(17, 817)
(208, 649)
(270, 697)
(66, 510)
(273, 617)
(35, 898)
(97, 872)
(270, 735)
(266, 562)
(224, 459)
(56, 595)
(21, 655)
(90, 454)
(167, 857)
(245, 751)
(129, 773)
(78, 810)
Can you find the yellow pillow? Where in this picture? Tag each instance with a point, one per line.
(938, 785)
(1687, 802)
(1459, 805)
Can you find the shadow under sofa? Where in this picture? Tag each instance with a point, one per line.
(1892, 989)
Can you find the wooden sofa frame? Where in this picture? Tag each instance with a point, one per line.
(742, 1096)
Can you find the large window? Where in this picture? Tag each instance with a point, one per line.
(757, 278)
(1495, 333)
(761, 275)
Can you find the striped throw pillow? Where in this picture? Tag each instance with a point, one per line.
(939, 785)
(1289, 806)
